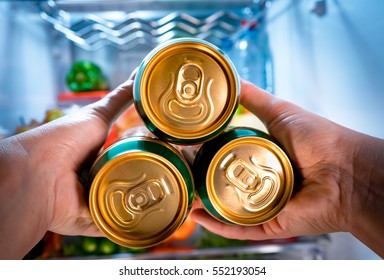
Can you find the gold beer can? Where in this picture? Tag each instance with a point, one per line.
(186, 91)
(140, 191)
(243, 177)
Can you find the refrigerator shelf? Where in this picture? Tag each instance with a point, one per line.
(128, 25)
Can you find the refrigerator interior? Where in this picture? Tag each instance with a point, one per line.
(300, 42)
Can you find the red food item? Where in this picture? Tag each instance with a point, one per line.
(184, 231)
(112, 136)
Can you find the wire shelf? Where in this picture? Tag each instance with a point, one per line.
(127, 25)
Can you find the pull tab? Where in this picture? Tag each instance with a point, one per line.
(189, 83)
(254, 184)
(145, 195)
(188, 100)
(242, 175)
(129, 202)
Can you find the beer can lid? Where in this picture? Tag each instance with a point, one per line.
(186, 91)
(139, 198)
(249, 180)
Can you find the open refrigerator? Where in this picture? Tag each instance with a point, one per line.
(47, 37)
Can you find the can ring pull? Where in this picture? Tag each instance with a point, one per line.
(188, 99)
(254, 183)
(130, 202)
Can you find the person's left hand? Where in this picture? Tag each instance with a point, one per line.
(72, 141)
(41, 187)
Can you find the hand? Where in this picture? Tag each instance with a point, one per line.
(41, 190)
(324, 155)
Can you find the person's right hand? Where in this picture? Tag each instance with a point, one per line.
(337, 174)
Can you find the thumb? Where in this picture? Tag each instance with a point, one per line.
(87, 129)
(264, 105)
(279, 116)
(112, 105)
(82, 133)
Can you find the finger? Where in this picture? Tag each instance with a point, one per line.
(284, 120)
(271, 110)
(111, 106)
(134, 73)
(196, 204)
(226, 230)
(257, 100)
(95, 121)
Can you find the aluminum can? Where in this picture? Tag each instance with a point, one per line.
(186, 91)
(243, 177)
(140, 191)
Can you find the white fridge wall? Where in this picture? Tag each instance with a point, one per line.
(332, 65)
(27, 73)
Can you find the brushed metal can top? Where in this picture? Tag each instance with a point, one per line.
(140, 192)
(247, 179)
(186, 90)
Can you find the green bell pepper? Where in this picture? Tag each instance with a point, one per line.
(86, 76)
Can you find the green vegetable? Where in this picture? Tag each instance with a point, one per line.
(89, 245)
(86, 76)
(240, 110)
(131, 250)
(107, 247)
(211, 240)
(70, 250)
